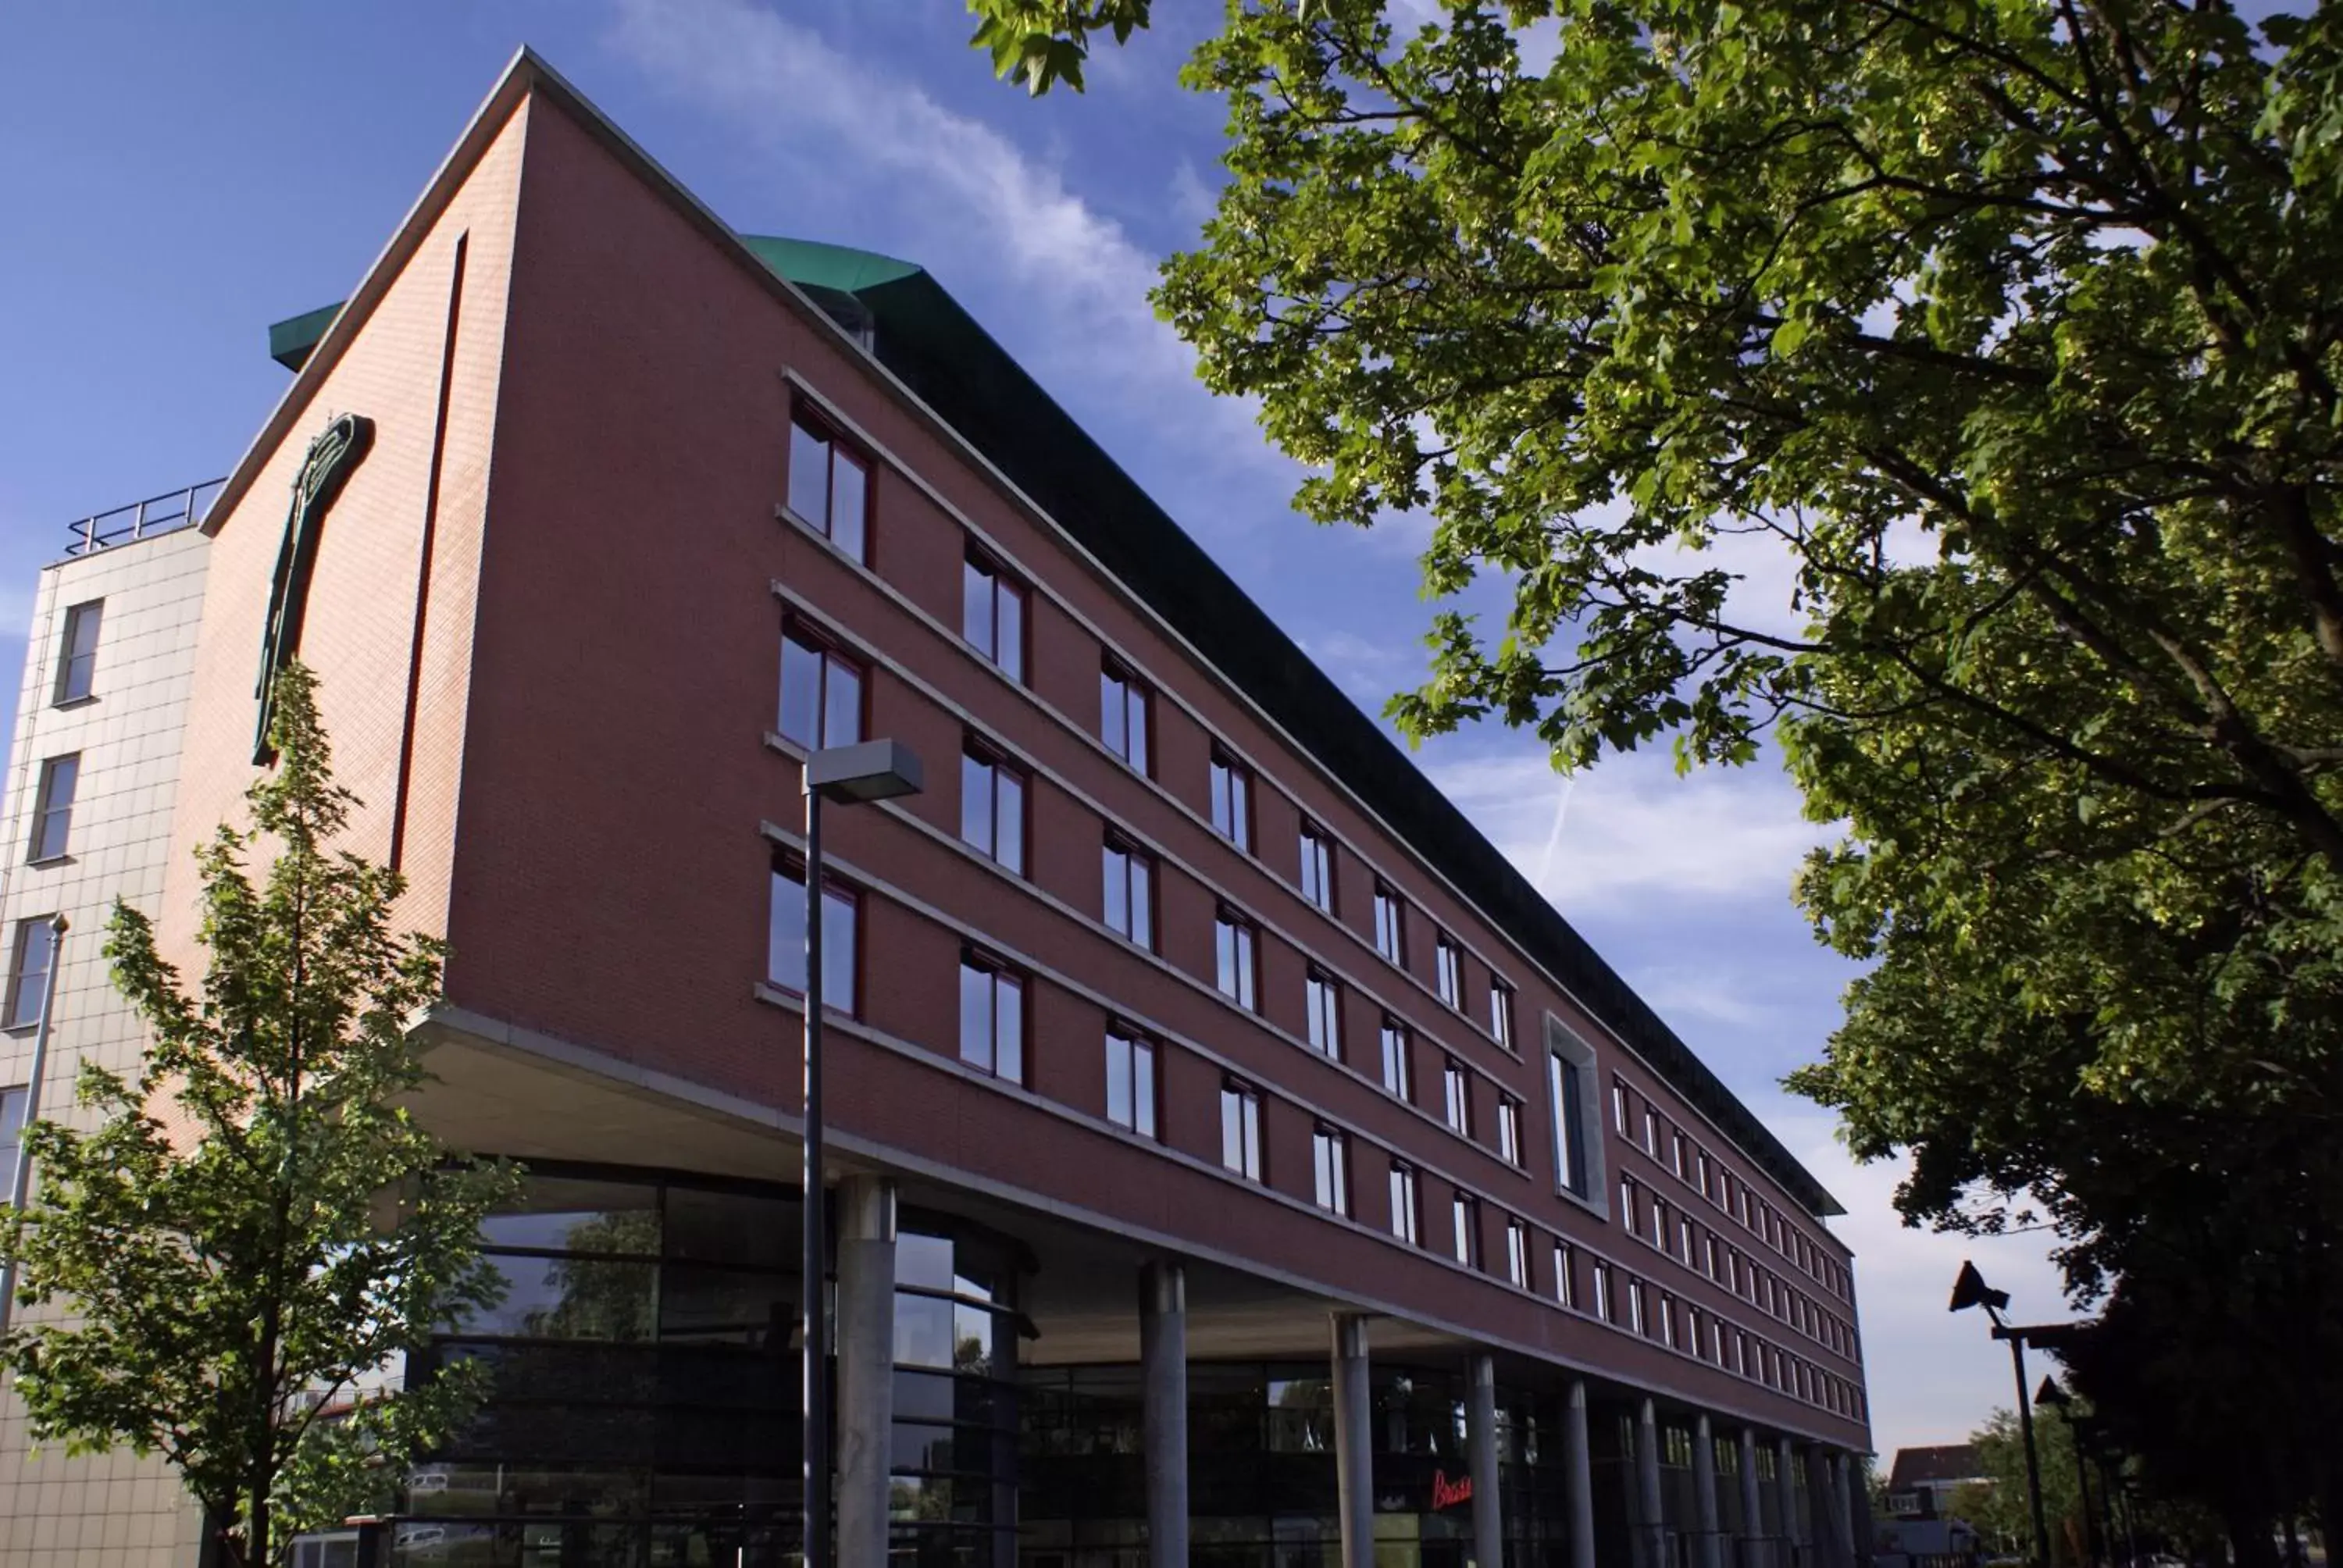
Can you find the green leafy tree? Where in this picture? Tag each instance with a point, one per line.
(1999, 1510)
(237, 1252)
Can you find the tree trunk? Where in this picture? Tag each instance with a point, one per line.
(2250, 1545)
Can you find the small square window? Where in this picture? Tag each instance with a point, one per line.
(1130, 884)
(1122, 715)
(785, 951)
(830, 483)
(1131, 1080)
(77, 652)
(821, 691)
(52, 807)
(991, 1018)
(1449, 970)
(1231, 799)
(992, 614)
(1329, 1151)
(1391, 929)
(1324, 998)
(1241, 1129)
(1317, 867)
(1236, 957)
(992, 805)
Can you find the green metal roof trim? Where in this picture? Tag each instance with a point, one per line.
(941, 353)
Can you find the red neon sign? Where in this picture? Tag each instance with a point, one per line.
(1447, 1493)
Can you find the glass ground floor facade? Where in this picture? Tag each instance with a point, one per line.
(646, 1392)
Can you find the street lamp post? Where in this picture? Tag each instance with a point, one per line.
(2059, 1399)
(848, 775)
(1969, 1290)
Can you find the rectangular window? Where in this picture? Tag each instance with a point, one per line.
(1457, 1094)
(1708, 1245)
(1130, 876)
(1464, 1210)
(1317, 867)
(52, 807)
(1241, 1129)
(1390, 932)
(1630, 1218)
(992, 614)
(1565, 1099)
(1508, 1128)
(1741, 1352)
(1403, 1210)
(1231, 799)
(1449, 969)
(1676, 1154)
(830, 483)
(29, 970)
(1619, 1106)
(1660, 1223)
(1683, 1237)
(1399, 1067)
(991, 1018)
(1668, 1320)
(1122, 715)
(1330, 1155)
(1565, 1274)
(993, 806)
(1129, 1080)
(77, 652)
(1501, 1013)
(1324, 999)
(1517, 1252)
(821, 691)
(1651, 1133)
(1603, 1307)
(1639, 1316)
(1701, 1170)
(785, 964)
(1236, 957)
(12, 1126)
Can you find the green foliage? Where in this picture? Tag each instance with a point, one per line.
(1046, 41)
(1999, 1511)
(255, 1228)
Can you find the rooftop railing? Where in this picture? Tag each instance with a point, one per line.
(161, 514)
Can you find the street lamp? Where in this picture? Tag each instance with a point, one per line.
(2059, 1399)
(1969, 1290)
(848, 776)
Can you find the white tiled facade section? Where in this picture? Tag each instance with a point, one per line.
(115, 1510)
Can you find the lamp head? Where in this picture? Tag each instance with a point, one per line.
(1969, 1290)
(873, 770)
(2051, 1394)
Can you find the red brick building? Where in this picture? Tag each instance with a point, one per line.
(1176, 971)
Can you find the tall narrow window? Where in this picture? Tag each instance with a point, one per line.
(1324, 999)
(1683, 1237)
(1676, 1154)
(993, 806)
(52, 807)
(1702, 1176)
(1668, 1320)
(1565, 1097)
(1631, 1217)
(1391, 933)
(29, 970)
(1317, 867)
(1565, 1274)
(1404, 1213)
(1449, 969)
(1660, 1222)
(1651, 1133)
(1517, 1252)
(1129, 1080)
(1241, 1129)
(992, 614)
(1231, 799)
(77, 652)
(1456, 1085)
(12, 1125)
(785, 958)
(1399, 1066)
(1619, 1106)
(1508, 1128)
(1330, 1154)
(1639, 1316)
(821, 691)
(1501, 1013)
(1236, 957)
(1465, 1211)
(1603, 1307)
(830, 483)
(991, 1018)
(1129, 874)
(1122, 715)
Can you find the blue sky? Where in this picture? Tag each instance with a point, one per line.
(178, 176)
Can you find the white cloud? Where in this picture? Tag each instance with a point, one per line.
(1632, 831)
(1192, 201)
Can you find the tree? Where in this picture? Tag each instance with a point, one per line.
(2000, 1509)
(237, 1275)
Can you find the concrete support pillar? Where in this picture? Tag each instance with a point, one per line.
(865, 1338)
(1578, 1461)
(1827, 1492)
(1843, 1507)
(1753, 1505)
(1710, 1544)
(1481, 1440)
(1859, 1514)
(1785, 1484)
(1354, 1466)
(1651, 1524)
(1163, 1377)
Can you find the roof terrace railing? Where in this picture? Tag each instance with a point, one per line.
(161, 514)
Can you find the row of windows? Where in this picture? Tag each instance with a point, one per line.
(823, 704)
(1653, 1131)
(1670, 1227)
